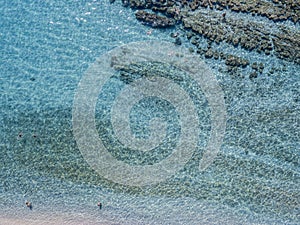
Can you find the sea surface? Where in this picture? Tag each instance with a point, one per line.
(46, 48)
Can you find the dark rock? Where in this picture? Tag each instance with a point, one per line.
(250, 35)
(229, 39)
(174, 12)
(236, 61)
(194, 41)
(200, 51)
(209, 53)
(269, 46)
(254, 66)
(244, 63)
(137, 4)
(223, 56)
(189, 35)
(235, 9)
(235, 41)
(233, 70)
(231, 60)
(154, 20)
(178, 41)
(253, 75)
(174, 35)
(261, 68)
(259, 50)
(271, 71)
(218, 7)
(209, 43)
(194, 5)
(125, 3)
(218, 39)
(161, 9)
(295, 19)
(216, 55)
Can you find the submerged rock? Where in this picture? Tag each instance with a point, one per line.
(217, 27)
(154, 20)
(252, 36)
(178, 41)
(236, 61)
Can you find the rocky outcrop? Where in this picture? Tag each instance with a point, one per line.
(217, 27)
(154, 20)
(276, 11)
(287, 45)
(251, 36)
(234, 61)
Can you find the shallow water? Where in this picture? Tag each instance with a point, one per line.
(47, 48)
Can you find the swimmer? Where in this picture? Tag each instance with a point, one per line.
(99, 205)
(29, 205)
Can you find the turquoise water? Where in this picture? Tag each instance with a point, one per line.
(46, 48)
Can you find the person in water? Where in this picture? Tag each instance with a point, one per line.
(28, 204)
(99, 205)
